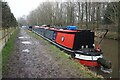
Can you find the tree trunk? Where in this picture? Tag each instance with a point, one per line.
(86, 15)
(118, 20)
(89, 14)
(98, 14)
(93, 15)
(82, 14)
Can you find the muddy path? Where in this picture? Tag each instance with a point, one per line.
(30, 59)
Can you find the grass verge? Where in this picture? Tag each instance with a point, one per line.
(7, 50)
(65, 61)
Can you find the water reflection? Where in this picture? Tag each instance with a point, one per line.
(110, 50)
(26, 42)
(26, 50)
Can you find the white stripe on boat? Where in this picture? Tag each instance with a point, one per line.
(85, 57)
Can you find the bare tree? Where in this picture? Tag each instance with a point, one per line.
(86, 9)
(91, 14)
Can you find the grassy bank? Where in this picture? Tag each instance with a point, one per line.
(7, 50)
(110, 35)
(65, 61)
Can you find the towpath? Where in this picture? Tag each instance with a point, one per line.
(31, 59)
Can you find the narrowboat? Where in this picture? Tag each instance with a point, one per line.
(82, 42)
(79, 42)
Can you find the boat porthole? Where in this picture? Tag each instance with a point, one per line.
(62, 38)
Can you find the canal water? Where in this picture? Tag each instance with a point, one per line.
(110, 52)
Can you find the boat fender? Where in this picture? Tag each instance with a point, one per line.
(104, 63)
(73, 55)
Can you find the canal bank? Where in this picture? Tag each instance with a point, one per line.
(112, 35)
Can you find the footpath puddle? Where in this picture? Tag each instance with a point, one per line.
(26, 50)
(26, 42)
(20, 37)
(23, 37)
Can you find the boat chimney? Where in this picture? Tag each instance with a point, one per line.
(94, 45)
(82, 47)
(86, 46)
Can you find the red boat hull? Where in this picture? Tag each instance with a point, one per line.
(89, 63)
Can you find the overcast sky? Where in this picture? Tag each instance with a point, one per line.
(22, 7)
